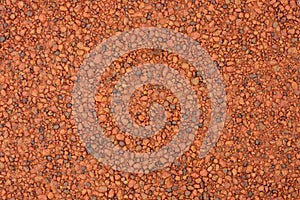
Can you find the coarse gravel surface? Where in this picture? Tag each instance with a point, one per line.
(255, 47)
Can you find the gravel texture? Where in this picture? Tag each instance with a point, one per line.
(255, 46)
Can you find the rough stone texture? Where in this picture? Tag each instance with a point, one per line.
(255, 46)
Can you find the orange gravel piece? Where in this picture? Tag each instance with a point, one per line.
(255, 47)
